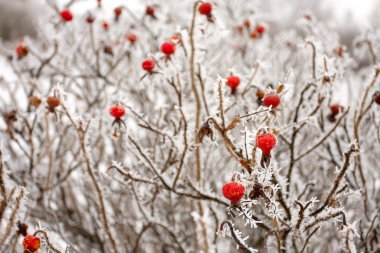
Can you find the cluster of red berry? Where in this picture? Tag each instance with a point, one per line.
(256, 33)
(234, 191)
(168, 48)
(268, 100)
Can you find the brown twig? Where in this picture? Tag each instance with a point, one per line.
(343, 169)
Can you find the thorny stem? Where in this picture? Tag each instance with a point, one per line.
(308, 239)
(314, 58)
(301, 213)
(293, 138)
(195, 90)
(169, 231)
(199, 75)
(358, 116)
(368, 232)
(50, 246)
(335, 186)
(184, 149)
(371, 51)
(326, 218)
(200, 196)
(231, 148)
(221, 110)
(3, 190)
(81, 131)
(240, 244)
(322, 140)
(254, 113)
(197, 116)
(12, 216)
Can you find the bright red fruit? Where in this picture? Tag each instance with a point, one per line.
(150, 11)
(266, 142)
(66, 15)
(132, 37)
(271, 100)
(168, 48)
(31, 244)
(21, 50)
(233, 82)
(233, 191)
(260, 29)
(148, 65)
(117, 111)
(117, 11)
(336, 109)
(205, 9)
(105, 25)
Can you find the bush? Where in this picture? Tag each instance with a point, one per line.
(113, 141)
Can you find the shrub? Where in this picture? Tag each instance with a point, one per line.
(124, 145)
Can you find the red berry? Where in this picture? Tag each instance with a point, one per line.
(21, 50)
(66, 15)
(377, 97)
(254, 35)
(53, 101)
(233, 82)
(148, 65)
(336, 109)
(117, 111)
(90, 19)
(168, 48)
(271, 100)
(34, 101)
(266, 142)
(132, 37)
(233, 191)
(31, 244)
(260, 29)
(117, 11)
(205, 9)
(105, 25)
(150, 11)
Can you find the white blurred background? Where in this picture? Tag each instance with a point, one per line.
(348, 17)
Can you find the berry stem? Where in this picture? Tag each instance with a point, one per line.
(81, 132)
(3, 191)
(322, 140)
(49, 245)
(221, 110)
